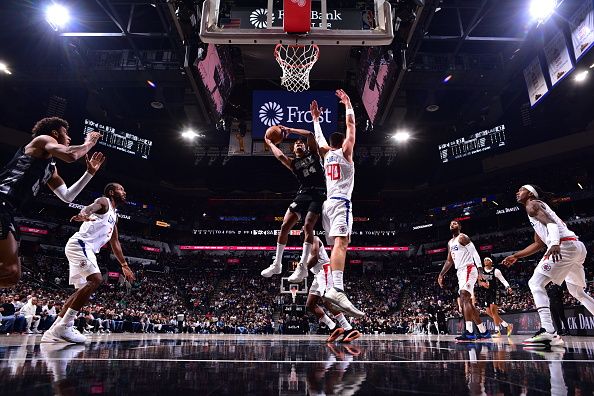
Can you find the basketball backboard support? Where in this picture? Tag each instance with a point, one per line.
(260, 22)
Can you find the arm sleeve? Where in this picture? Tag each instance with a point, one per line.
(67, 194)
(472, 250)
(319, 135)
(499, 276)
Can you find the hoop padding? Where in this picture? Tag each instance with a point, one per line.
(296, 61)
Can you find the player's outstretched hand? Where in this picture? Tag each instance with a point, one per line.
(130, 277)
(344, 98)
(93, 137)
(316, 111)
(95, 162)
(509, 261)
(82, 218)
(554, 252)
(440, 280)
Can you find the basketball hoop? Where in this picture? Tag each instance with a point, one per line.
(294, 289)
(296, 61)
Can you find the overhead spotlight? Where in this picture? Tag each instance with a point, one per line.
(495, 203)
(189, 134)
(592, 66)
(57, 16)
(541, 10)
(447, 79)
(151, 84)
(581, 76)
(4, 68)
(580, 186)
(401, 136)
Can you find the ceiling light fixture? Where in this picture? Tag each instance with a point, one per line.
(401, 136)
(581, 76)
(541, 10)
(57, 16)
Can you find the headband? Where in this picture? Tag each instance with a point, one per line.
(531, 189)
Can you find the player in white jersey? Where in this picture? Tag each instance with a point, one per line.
(337, 213)
(99, 227)
(463, 255)
(319, 264)
(563, 261)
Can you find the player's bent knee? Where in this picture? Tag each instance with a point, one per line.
(94, 281)
(576, 291)
(10, 275)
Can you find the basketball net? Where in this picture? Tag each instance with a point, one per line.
(296, 61)
(294, 294)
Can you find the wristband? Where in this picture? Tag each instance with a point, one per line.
(350, 112)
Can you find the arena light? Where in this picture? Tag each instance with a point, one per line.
(541, 10)
(447, 79)
(581, 76)
(4, 68)
(580, 186)
(401, 136)
(190, 134)
(57, 16)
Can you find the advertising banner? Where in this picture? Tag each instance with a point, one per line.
(30, 230)
(291, 109)
(288, 248)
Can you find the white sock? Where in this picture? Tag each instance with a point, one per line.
(504, 324)
(469, 327)
(68, 319)
(482, 327)
(306, 252)
(328, 322)
(496, 327)
(337, 279)
(344, 323)
(280, 249)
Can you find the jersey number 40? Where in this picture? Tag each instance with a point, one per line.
(333, 171)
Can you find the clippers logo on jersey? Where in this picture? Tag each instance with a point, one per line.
(546, 267)
(83, 263)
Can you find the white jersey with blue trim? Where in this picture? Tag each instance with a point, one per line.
(541, 229)
(95, 234)
(460, 254)
(340, 175)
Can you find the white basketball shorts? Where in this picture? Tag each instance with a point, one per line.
(82, 262)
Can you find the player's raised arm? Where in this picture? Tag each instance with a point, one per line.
(349, 142)
(278, 153)
(67, 194)
(316, 112)
(99, 206)
(63, 152)
(312, 144)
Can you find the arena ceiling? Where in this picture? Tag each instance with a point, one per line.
(482, 44)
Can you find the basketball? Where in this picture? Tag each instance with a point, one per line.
(275, 134)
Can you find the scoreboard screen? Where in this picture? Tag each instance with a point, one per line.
(473, 144)
(120, 140)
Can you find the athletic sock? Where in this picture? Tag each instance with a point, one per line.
(546, 321)
(469, 327)
(279, 253)
(69, 317)
(328, 322)
(306, 252)
(481, 327)
(344, 323)
(337, 279)
(504, 324)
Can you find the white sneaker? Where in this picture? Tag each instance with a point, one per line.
(299, 274)
(340, 299)
(274, 269)
(63, 333)
(542, 337)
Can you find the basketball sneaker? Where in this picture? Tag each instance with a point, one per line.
(350, 335)
(510, 329)
(497, 334)
(466, 337)
(337, 333)
(274, 269)
(62, 333)
(542, 337)
(299, 274)
(484, 336)
(340, 299)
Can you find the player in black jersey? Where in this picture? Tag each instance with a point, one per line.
(489, 282)
(307, 168)
(30, 169)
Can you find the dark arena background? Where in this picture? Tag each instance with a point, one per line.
(457, 105)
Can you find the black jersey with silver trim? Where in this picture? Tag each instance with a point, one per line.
(309, 171)
(22, 178)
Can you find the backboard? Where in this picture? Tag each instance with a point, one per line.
(333, 22)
